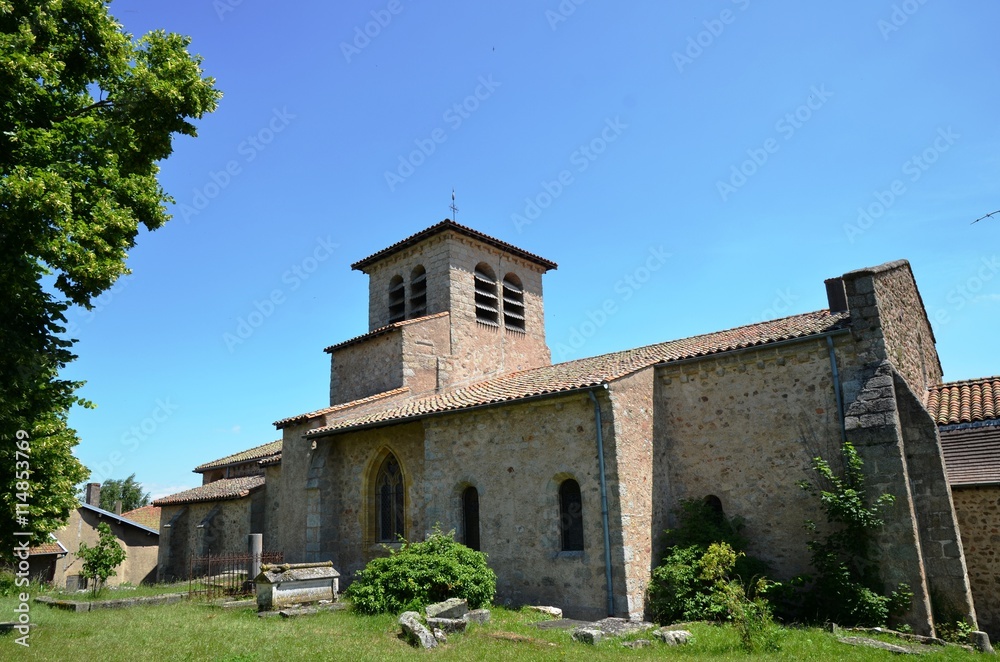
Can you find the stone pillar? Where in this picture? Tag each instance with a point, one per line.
(255, 545)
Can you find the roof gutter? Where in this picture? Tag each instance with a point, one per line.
(604, 497)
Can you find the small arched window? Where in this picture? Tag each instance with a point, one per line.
(397, 299)
(513, 303)
(571, 516)
(418, 292)
(389, 504)
(487, 305)
(470, 517)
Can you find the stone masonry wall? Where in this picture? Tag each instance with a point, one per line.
(432, 255)
(744, 428)
(141, 548)
(940, 540)
(887, 315)
(426, 346)
(978, 510)
(632, 472)
(366, 368)
(516, 456)
(340, 484)
(225, 532)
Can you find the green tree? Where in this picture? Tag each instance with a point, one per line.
(102, 561)
(128, 491)
(86, 112)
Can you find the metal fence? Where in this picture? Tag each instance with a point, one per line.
(227, 575)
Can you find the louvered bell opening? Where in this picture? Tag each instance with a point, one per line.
(487, 304)
(513, 305)
(418, 295)
(397, 301)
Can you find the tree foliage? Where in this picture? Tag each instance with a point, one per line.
(86, 112)
(127, 490)
(101, 561)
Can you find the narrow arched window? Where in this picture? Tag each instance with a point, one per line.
(571, 516)
(397, 300)
(470, 517)
(513, 303)
(487, 305)
(418, 292)
(389, 500)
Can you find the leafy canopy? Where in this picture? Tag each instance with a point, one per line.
(127, 490)
(86, 112)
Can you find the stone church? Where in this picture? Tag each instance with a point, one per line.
(449, 412)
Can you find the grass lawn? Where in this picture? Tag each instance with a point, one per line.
(197, 631)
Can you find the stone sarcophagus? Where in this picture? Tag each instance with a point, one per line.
(286, 584)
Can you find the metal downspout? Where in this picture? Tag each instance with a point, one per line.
(836, 388)
(604, 502)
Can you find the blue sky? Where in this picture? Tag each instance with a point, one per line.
(742, 150)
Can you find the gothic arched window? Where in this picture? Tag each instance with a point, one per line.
(389, 518)
(571, 516)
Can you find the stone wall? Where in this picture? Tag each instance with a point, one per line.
(200, 529)
(978, 510)
(426, 347)
(631, 470)
(889, 322)
(516, 456)
(744, 428)
(367, 367)
(289, 527)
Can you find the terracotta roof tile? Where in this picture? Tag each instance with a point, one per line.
(219, 490)
(443, 226)
(343, 406)
(592, 371)
(52, 546)
(269, 461)
(382, 330)
(147, 516)
(966, 401)
(255, 453)
(972, 455)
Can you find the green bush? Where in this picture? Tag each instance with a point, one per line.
(686, 585)
(423, 573)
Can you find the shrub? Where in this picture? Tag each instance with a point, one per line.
(686, 585)
(423, 573)
(847, 588)
(101, 561)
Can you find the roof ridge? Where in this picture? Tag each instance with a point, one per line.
(222, 460)
(392, 326)
(343, 405)
(962, 382)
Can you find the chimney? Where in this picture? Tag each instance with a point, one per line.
(93, 494)
(118, 507)
(836, 295)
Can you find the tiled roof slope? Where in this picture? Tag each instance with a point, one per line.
(443, 226)
(592, 371)
(382, 330)
(972, 456)
(52, 546)
(336, 408)
(967, 401)
(147, 516)
(255, 453)
(219, 490)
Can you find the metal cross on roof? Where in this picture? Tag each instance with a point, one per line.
(453, 208)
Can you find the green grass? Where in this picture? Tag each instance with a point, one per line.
(197, 631)
(112, 592)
